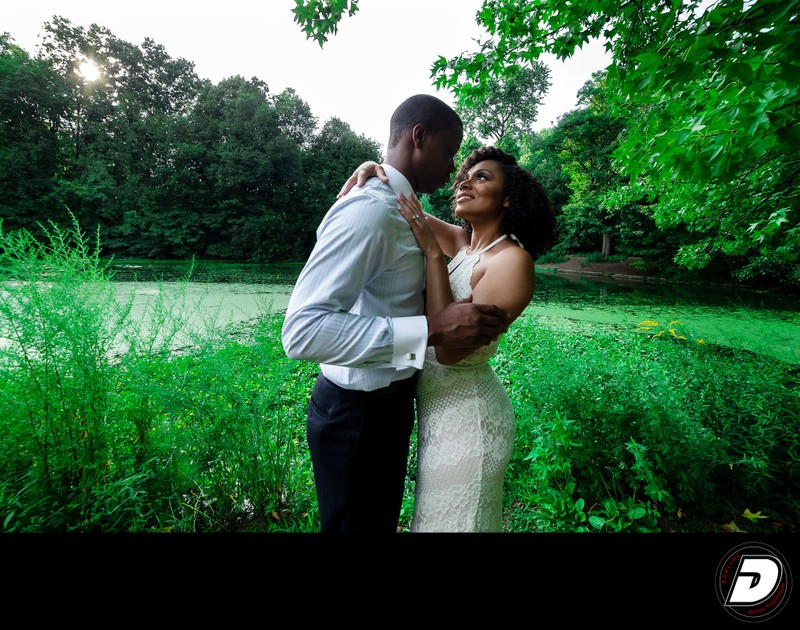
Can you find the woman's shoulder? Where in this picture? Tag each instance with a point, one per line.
(511, 254)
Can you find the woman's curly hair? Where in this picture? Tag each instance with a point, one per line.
(529, 216)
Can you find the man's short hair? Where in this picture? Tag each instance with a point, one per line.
(432, 112)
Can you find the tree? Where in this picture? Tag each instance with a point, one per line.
(329, 160)
(510, 105)
(248, 169)
(581, 147)
(583, 143)
(710, 93)
(295, 119)
(115, 136)
(31, 104)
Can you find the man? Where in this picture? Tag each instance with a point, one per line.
(357, 309)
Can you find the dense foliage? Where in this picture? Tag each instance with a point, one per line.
(111, 423)
(704, 103)
(167, 165)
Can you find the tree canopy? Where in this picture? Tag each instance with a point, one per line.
(684, 147)
(509, 106)
(167, 165)
(708, 90)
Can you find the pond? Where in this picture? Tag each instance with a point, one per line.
(225, 292)
(760, 322)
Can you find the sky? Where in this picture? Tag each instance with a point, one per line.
(378, 58)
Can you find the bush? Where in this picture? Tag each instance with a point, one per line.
(551, 258)
(641, 432)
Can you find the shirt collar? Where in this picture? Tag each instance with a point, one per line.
(397, 180)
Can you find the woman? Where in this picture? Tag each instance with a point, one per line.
(465, 419)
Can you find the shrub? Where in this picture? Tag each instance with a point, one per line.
(635, 431)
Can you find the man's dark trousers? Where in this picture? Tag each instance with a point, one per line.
(359, 445)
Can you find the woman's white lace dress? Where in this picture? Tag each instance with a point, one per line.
(465, 434)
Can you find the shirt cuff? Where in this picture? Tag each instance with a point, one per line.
(410, 341)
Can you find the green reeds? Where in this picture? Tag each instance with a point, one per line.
(115, 423)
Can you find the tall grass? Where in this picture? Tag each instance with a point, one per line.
(110, 423)
(95, 438)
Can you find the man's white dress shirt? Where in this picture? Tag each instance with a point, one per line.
(357, 307)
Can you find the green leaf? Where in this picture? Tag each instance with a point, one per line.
(597, 522)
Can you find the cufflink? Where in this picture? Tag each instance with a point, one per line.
(411, 356)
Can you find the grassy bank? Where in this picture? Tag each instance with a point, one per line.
(617, 430)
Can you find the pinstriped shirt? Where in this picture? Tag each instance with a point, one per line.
(357, 306)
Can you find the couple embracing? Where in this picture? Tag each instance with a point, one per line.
(395, 326)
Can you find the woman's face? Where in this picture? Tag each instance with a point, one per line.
(482, 193)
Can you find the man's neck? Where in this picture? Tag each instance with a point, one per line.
(402, 164)
(397, 181)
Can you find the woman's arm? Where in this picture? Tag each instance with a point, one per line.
(438, 293)
(507, 280)
(363, 172)
(451, 237)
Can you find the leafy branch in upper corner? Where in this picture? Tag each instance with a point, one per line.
(319, 19)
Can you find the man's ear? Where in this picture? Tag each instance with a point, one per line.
(419, 134)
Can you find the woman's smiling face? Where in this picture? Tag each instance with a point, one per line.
(482, 193)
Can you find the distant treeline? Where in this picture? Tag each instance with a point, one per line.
(165, 164)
